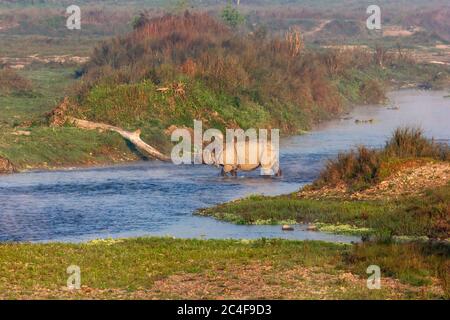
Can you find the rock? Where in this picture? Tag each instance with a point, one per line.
(287, 228)
(425, 86)
(6, 166)
(312, 228)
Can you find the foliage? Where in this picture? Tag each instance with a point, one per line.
(360, 167)
(231, 16)
(363, 167)
(411, 216)
(140, 20)
(275, 80)
(410, 142)
(63, 147)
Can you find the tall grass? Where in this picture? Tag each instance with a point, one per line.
(12, 82)
(358, 167)
(362, 167)
(410, 142)
(295, 86)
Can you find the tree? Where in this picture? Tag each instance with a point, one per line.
(181, 6)
(141, 20)
(231, 16)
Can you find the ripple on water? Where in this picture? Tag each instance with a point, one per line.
(158, 199)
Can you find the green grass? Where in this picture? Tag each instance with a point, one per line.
(58, 147)
(24, 45)
(414, 216)
(139, 262)
(136, 264)
(140, 105)
(410, 263)
(53, 147)
(49, 85)
(279, 210)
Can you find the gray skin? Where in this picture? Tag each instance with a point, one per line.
(268, 163)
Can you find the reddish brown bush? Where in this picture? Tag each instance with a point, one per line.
(11, 81)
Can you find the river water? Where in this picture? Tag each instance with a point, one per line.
(158, 199)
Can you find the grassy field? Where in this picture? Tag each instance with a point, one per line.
(49, 148)
(413, 216)
(49, 85)
(45, 147)
(151, 268)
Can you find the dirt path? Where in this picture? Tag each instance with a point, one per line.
(316, 29)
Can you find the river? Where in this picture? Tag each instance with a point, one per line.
(158, 199)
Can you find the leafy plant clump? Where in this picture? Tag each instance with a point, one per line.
(363, 167)
(246, 80)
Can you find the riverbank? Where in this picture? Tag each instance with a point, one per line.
(165, 268)
(417, 216)
(41, 147)
(402, 190)
(142, 92)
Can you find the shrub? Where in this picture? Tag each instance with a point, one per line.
(361, 168)
(358, 167)
(277, 75)
(372, 91)
(411, 143)
(231, 16)
(12, 82)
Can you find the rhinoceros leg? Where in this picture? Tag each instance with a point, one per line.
(279, 173)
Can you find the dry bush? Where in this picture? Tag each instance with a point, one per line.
(372, 91)
(382, 56)
(358, 168)
(362, 167)
(12, 82)
(275, 72)
(336, 61)
(361, 57)
(295, 41)
(411, 143)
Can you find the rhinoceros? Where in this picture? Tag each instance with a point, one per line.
(245, 156)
